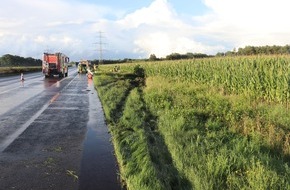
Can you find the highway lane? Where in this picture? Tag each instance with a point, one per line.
(43, 126)
(14, 92)
(40, 133)
(23, 101)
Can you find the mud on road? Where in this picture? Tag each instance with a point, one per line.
(48, 151)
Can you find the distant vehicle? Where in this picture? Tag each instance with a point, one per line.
(83, 66)
(55, 64)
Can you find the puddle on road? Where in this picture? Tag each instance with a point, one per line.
(98, 167)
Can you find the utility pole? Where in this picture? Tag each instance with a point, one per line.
(47, 50)
(100, 49)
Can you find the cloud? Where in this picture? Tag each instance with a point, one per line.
(247, 22)
(27, 28)
(156, 29)
(72, 27)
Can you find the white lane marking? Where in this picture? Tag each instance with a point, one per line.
(14, 135)
(18, 132)
(26, 83)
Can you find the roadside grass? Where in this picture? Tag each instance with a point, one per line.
(144, 160)
(214, 142)
(171, 133)
(49, 162)
(72, 174)
(10, 70)
(58, 149)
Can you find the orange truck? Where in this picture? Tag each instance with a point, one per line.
(55, 64)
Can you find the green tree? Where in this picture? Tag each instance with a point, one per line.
(152, 57)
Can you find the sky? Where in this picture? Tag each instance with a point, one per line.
(138, 28)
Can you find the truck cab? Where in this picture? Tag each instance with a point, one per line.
(55, 64)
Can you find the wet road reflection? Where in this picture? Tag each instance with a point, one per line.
(56, 120)
(14, 92)
(98, 168)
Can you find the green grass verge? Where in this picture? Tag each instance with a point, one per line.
(170, 134)
(144, 160)
(11, 70)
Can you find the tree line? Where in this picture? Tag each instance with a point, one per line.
(177, 56)
(14, 60)
(153, 57)
(257, 50)
(8, 60)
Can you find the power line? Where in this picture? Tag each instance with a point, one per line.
(100, 49)
(47, 50)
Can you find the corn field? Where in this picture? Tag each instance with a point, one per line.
(264, 77)
(213, 123)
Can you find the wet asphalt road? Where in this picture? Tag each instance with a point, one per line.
(53, 135)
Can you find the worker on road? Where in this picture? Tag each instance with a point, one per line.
(21, 77)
